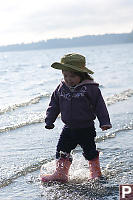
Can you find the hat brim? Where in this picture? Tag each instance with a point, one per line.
(68, 67)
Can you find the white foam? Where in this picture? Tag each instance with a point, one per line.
(34, 100)
(32, 119)
(119, 97)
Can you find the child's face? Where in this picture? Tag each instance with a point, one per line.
(70, 78)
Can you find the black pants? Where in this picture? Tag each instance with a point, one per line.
(85, 137)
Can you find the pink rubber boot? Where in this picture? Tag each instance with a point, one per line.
(94, 166)
(61, 172)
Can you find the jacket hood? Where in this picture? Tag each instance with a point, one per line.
(85, 82)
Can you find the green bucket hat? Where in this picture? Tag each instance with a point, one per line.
(72, 62)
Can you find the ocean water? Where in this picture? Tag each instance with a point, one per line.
(26, 84)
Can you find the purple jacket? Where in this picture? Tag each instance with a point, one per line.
(79, 108)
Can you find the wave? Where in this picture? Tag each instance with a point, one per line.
(23, 104)
(119, 97)
(32, 119)
(112, 134)
(109, 100)
(39, 117)
(22, 172)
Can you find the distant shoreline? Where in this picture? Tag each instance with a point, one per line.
(87, 40)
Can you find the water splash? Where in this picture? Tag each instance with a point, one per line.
(78, 186)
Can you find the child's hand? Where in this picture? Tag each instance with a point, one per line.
(106, 127)
(49, 126)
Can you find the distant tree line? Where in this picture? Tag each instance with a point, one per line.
(87, 40)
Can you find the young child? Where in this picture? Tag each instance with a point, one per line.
(79, 100)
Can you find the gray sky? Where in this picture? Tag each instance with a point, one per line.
(34, 20)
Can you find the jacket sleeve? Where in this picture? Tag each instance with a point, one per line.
(53, 109)
(100, 108)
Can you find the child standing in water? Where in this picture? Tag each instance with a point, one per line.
(79, 100)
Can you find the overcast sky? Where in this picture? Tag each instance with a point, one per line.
(34, 20)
